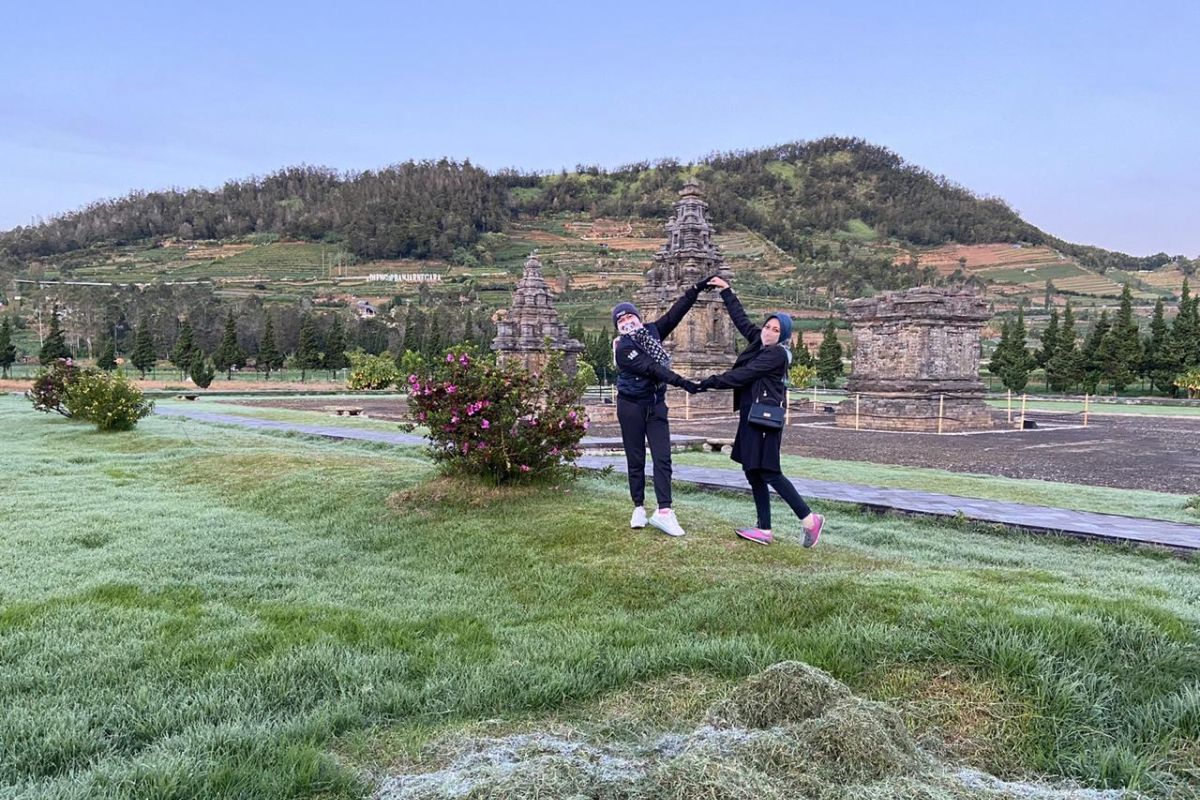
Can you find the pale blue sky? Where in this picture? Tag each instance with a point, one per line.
(1084, 116)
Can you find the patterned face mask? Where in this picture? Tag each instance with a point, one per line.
(629, 325)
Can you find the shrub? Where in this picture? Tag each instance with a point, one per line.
(371, 372)
(585, 375)
(1190, 381)
(202, 371)
(50, 387)
(802, 375)
(108, 400)
(504, 425)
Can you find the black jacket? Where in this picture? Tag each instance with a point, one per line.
(757, 376)
(640, 378)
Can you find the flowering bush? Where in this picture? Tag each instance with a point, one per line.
(50, 387)
(802, 375)
(503, 425)
(1190, 381)
(371, 372)
(108, 400)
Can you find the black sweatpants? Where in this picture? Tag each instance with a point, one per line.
(640, 424)
(759, 479)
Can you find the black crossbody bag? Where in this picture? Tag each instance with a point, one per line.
(769, 416)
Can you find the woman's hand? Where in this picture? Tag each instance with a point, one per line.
(718, 282)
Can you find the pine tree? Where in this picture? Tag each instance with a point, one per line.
(229, 355)
(269, 358)
(1049, 340)
(829, 356)
(1017, 362)
(308, 351)
(201, 369)
(414, 330)
(1156, 354)
(1065, 367)
(802, 356)
(1093, 368)
(1185, 331)
(108, 355)
(999, 360)
(431, 347)
(8, 350)
(54, 346)
(1123, 357)
(143, 358)
(335, 347)
(181, 354)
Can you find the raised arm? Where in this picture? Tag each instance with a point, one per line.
(674, 315)
(741, 320)
(769, 360)
(630, 358)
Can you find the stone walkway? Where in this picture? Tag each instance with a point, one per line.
(1038, 519)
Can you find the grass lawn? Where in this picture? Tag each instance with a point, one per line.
(1129, 502)
(198, 611)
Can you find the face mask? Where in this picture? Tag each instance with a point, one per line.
(629, 325)
(769, 337)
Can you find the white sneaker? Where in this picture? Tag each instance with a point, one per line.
(638, 520)
(664, 520)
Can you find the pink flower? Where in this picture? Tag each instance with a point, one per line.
(483, 423)
(421, 417)
(553, 451)
(466, 447)
(454, 419)
(525, 468)
(412, 378)
(449, 358)
(463, 359)
(586, 425)
(571, 415)
(451, 388)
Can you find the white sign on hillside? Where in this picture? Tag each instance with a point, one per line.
(405, 277)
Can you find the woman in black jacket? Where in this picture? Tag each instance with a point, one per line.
(643, 372)
(758, 376)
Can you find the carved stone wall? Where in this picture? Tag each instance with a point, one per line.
(914, 351)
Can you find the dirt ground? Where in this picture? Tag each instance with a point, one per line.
(1155, 453)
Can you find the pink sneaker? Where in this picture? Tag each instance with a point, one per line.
(812, 535)
(755, 535)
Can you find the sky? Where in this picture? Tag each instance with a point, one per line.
(1084, 117)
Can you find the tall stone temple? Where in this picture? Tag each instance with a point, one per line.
(522, 334)
(703, 343)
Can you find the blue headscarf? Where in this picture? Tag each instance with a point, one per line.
(785, 327)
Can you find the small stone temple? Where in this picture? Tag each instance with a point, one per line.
(913, 352)
(522, 332)
(703, 343)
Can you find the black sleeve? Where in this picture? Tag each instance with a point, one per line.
(767, 362)
(670, 320)
(630, 358)
(741, 320)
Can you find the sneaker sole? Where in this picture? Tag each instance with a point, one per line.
(667, 532)
(738, 534)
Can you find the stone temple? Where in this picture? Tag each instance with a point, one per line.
(913, 352)
(522, 333)
(703, 343)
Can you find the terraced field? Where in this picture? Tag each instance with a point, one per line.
(988, 256)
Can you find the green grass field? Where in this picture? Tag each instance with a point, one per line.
(199, 611)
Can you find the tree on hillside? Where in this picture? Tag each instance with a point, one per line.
(1122, 356)
(181, 354)
(308, 351)
(54, 346)
(829, 356)
(144, 358)
(269, 358)
(431, 347)
(335, 347)
(1049, 340)
(107, 360)
(8, 350)
(1065, 368)
(229, 355)
(1185, 330)
(201, 370)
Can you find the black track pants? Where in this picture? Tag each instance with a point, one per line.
(759, 479)
(640, 424)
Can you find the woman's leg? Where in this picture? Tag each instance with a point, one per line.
(788, 492)
(762, 497)
(633, 437)
(658, 431)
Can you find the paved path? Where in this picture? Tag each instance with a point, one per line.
(1042, 519)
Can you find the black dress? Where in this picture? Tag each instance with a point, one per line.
(757, 376)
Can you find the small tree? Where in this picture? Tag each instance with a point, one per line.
(308, 351)
(335, 347)
(1157, 363)
(829, 356)
(1064, 368)
(109, 401)
(1190, 382)
(229, 355)
(54, 346)
(144, 357)
(107, 360)
(181, 355)
(371, 372)
(802, 375)
(1093, 366)
(8, 350)
(269, 358)
(1049, 340)
(201, 370)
